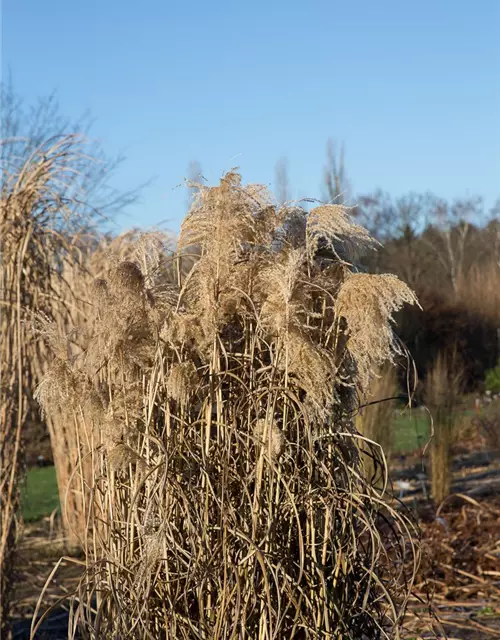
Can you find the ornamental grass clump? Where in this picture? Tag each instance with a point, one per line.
(217, 394)
(40, 209)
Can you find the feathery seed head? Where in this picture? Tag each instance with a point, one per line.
(367, 302)
(181, 381)
(113, 430)
(271, 436)
(330, 225)
(58, 388)
(313, 369)
(280, 284)
(127, 277)
(99, 291)
(93, 407)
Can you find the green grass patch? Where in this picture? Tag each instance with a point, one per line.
(411, 430)
(39, 495)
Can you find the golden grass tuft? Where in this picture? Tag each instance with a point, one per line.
(121, 455)
(442, 390)
(100, 295)
(181, 381)
(127, 278)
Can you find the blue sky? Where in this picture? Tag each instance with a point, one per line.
(411, 88)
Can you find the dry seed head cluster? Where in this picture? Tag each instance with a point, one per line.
(367, 302)
(330, 226)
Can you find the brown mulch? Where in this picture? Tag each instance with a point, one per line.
(460, 571)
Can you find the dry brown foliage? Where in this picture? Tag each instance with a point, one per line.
(458, 576)
(227, 498)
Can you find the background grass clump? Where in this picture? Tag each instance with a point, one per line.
(40, 208)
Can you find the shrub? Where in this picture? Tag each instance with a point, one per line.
(492, 379)
(488, 424)
(215, 397)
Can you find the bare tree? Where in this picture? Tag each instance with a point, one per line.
(282, 181)
(337, 186)
(397, 224)
(452, 226)
(25, 129)
(377, 213)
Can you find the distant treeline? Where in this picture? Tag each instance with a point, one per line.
(449, 253)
